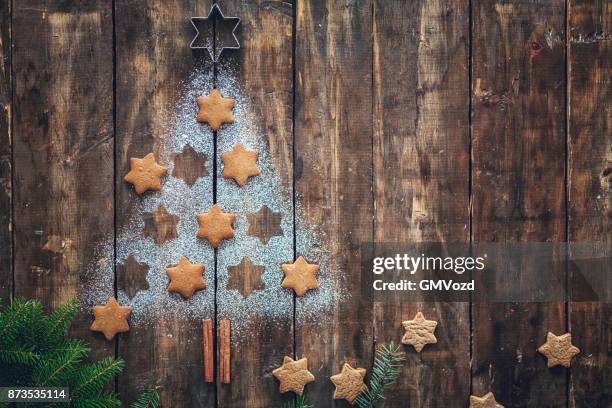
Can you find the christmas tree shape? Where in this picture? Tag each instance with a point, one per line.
(185, 196)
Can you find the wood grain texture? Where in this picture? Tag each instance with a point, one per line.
(152, 58)
(6, 105)
(265, 224)
(421, 162)
(518, 97)
(63, 147)
(225, 352)
(208, 350)
(264, 71)
(189, 165)
(133, 276)
(382, 153)
(333, 141)
(590, 186)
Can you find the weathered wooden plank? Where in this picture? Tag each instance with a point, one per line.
(152, 59)
(590, 186)
(63, 147)
(421, 163)
(333, 142)
(6, 244)
(518, 95)
(260, 77)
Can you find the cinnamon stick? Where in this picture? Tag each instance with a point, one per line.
(207, 334)
(224, 351)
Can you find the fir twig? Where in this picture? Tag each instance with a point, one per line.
(94, 376)
(13, 318)
(34, 351)
(99, 400)
(59, 320)
(59, 367)
(148, 399)
(387, 367)
(298, 402)
(18, 355)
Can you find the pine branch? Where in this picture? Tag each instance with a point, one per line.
(34, 351)
(33, 332)
(13, 319)
(148, 399)
(98, 401)
(63, 346)
(19, 355)
(58, 367)
(93, 377)
(58, 322)
(387, 367)
(298, 402)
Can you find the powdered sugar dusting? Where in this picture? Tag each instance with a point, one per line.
(272, 302)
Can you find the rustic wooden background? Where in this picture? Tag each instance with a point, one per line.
(424, 120)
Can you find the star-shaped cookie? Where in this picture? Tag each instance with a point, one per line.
(349, 383)
(300, 276)
(559, 349)
(111, 318)
(240, 164)
(419, 332)
(215, 225)
(486, 401)
(293, 375)
(185, 278)
(215, 109)
(145, 173)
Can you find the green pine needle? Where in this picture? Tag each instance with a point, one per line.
(58, 322)
(99, 400)
(93, 377)
(13, 319)
(18, 355)
(34, 351)
(386, 370)
(148, 399)
(59, 367)
(298, 402)
(65, 345)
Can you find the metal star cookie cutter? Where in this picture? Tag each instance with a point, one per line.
(211, 46)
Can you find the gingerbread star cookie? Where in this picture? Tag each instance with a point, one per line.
(215, 109)
(240, 164)
(300, 276)
(216, 225)
(111, 318)
(559, 349)
(419, 332)
(486, 401)
(186, 278)
(145, 173)
(293, 375)
(349, 383)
